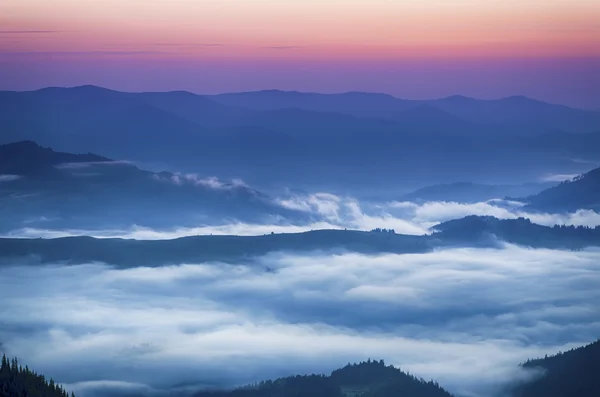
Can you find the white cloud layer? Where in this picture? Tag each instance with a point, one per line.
(465, 317)
(441, 211)
(333, 212)
(211, 182)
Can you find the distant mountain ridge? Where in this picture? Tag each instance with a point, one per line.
(372, 137)
(469, 192)
(509, 110)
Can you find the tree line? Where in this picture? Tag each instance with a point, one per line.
(19, 381)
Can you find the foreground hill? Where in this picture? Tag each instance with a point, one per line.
(570, 374)
(582, 192)
(366, 379)
(41, 187)
(16, 381)
(467, 232)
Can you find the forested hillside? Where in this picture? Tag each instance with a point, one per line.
(16, 381)
(575, 373)
(366, 379)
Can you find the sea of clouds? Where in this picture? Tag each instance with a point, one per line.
(465, 317)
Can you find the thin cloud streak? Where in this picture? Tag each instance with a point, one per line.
(146, 233)
(558, 177)
(29, 31)
(80, 53)
(190, 44)
(328, 211)
(283, 47)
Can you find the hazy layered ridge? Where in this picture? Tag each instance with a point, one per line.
(48, 193)
(62, 190)
(465, 317)
(350, 140)
(311, 212)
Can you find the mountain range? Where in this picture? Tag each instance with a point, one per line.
(40, 187)
(352, 139)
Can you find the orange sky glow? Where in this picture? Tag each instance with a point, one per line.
(305, 29)
(546, 49)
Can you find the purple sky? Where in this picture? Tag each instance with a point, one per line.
(570, 81)
(548, 50)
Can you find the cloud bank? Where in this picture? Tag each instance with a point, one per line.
(465, 317)
(329, 211)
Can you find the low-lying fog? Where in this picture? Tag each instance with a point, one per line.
(465, 317)
(330, 211)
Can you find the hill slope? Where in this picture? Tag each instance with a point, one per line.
(570, 374)
(479, 229)
(366, 379)
(66, 190)
(27, 157)
(582, 192)
(16, 381)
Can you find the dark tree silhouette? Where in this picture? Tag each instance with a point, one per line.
(366, 379)
(575, 373)
(16, 381)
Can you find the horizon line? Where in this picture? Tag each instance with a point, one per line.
(310, 93)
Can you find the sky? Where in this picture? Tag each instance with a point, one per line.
(548, 49)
